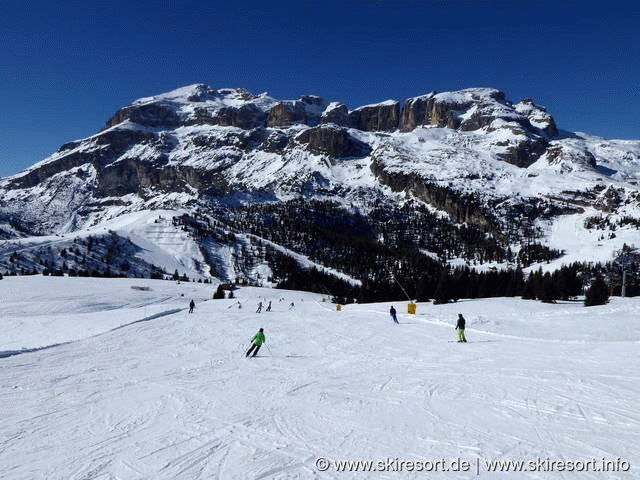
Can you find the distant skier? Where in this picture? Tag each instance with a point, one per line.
(269, 306)
(460, 329)
(291, 306)
(256, 342)
(392, 311)
(259, 307)
(192, 305)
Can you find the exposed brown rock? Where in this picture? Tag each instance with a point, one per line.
(276, 142)
(149, 115)
(526, 150)
(339, 115)
(306, 110)
(113, 143)
(415, 112)
(610, 199)
(332, 140)
(384, 117)
(428, 110)
(135, 176)
(285, 114)
(462, 208)
(246, 117)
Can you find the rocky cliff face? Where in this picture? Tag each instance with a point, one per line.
(334, 141)
(98, 151)
(150, 115)
(245, 117)
(486, 110)
(384, 117)
(336, 113)
(462, 208)
(306, 111)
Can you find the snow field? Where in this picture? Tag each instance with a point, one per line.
(174, 397)
(38, 311)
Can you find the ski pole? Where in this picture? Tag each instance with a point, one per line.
(271, 353)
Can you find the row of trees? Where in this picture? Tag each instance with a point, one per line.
(565, 283)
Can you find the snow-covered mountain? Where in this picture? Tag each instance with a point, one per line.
(208, 157)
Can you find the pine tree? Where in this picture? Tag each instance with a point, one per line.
(547, 291)
(219, 293)
(442, 290)
(597, 293)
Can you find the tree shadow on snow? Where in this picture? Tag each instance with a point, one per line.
(11, 353)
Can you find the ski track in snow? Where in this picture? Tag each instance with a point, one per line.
(174, 398)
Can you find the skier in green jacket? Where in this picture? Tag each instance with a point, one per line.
(257, 341)
(460, 329)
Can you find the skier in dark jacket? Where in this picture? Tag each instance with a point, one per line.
(257, 341)
(460, 329)
(192, 304)
(392, 311)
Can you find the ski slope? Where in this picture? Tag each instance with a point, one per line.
(173, 397)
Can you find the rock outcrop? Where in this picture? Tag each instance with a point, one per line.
(383, 117)
(467, 110)
(135, 176)
(336, 113)
(463, 208)
(307, 110)
(332, 140)
(415, 112)
(525, 152)
(246, 117)
(276, 142)
(102, 150)
(537, 117)
(149, 115)
(569, 157)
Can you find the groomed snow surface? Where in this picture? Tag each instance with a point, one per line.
(173, 397)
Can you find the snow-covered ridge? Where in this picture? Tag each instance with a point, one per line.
(386, 103)
(209, 97)
(469, 95)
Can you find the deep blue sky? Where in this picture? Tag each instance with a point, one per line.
(66, 66)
